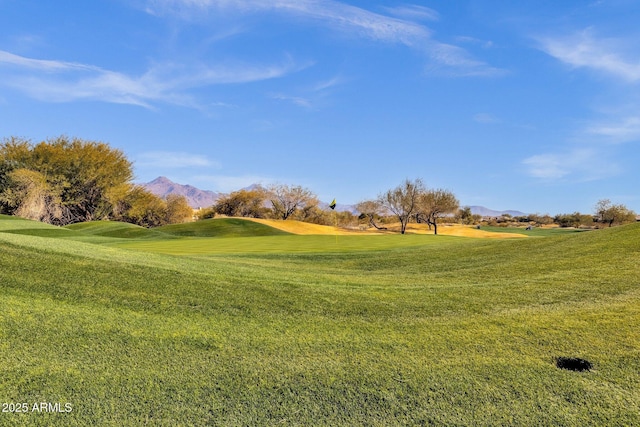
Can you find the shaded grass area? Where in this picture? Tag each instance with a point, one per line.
(452, 332)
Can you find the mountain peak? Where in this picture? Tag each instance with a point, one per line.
(163, 186)
(161, 180)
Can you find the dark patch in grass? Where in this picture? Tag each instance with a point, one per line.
(573, 364)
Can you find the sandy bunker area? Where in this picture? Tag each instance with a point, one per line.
(298, 227)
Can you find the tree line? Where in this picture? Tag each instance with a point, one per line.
(605, 214)
(66, 180)
(409, 201)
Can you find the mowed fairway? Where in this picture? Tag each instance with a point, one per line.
(179, 327)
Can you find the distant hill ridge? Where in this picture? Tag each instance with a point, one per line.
(197, 198)
(482, 211)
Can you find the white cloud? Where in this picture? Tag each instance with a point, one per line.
(174, 160)
(608, 55)
(60, 81)
(579, 164)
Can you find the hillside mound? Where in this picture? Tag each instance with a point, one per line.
(221, 227)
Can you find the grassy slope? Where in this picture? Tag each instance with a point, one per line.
(117, 229)
(456, 332)
(221, 227)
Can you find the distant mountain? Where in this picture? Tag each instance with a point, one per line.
(482, 211)
(163, 186)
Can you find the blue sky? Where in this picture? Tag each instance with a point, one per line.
(528, 105)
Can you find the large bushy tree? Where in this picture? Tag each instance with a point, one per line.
(245, 203)
(140, 206)
(610, 214)
(28, 195)
(177, 209)
(82, 179)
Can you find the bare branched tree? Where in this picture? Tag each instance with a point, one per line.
(401, 201)
(434, 204)
(371, 210)
(287, 199)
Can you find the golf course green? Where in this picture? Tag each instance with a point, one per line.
(228, 322)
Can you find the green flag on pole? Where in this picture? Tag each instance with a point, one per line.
(333, 204)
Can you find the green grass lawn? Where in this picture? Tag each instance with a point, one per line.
(283, 244)
(304, 330)
(221, 227)
(535, 231)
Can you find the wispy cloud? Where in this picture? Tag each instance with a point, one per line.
(578, 164)
(312, 96)
(591, 155)
(619, 59)
(485, 44)
(340, 17)
(546, 166)
(61, 81)
(327, 84)
(297, 100)
(585, 50)
(413, 12)
(453, 60)
(174, 160)
(617, 131)
(43, 64)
